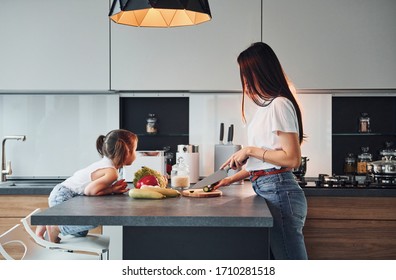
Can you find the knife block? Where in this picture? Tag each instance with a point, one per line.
(222, 153)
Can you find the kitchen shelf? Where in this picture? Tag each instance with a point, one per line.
(172, 120)
(346, 139)
(363, 134)
(163, 135)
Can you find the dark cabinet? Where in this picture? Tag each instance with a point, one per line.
(346, 137)
(172, 115)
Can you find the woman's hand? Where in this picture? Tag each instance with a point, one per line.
(222, 183)
(238, 159)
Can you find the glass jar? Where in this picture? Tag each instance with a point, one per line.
(151, 126)
(180, 175)
(364, 123)
(350, 164)
(363, 158)
(388, 153)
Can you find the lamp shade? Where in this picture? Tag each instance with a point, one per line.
(160, 13)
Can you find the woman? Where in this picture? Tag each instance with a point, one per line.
(275, 134)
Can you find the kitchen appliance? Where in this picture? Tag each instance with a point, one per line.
(190, 155)
(350, 182)
(153, 159)
(211, 179)
(302, 169)
(224, 151)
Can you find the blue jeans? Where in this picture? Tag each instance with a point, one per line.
(58, 195)
(288, 205)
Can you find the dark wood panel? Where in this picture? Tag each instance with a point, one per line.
(365, 208)
(351, 228)
(350, 239)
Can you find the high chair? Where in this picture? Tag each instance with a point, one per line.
(92, 243)
(17, 236)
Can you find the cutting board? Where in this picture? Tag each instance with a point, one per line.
(201, 193)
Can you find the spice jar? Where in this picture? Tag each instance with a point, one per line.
(350, 164)
(364, 123)
(180, 175)
(151, 126)
(363, 158)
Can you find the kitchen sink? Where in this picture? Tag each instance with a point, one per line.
(31, 183)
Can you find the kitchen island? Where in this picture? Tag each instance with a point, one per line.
(233, 226)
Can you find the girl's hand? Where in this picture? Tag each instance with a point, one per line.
(120, 186)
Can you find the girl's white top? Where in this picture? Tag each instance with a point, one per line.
(279, 115)
(81, 178)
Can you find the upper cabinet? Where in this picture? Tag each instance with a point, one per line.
(54, 45)
(334, 44)
(201, 57)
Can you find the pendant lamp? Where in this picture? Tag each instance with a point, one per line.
(160, 13)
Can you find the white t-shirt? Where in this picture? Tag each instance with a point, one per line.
(279, 115)
(81, 178)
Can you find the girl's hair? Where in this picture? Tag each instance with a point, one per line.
(263, 79)
(116, 145)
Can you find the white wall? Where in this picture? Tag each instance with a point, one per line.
(61, 131)
(207, 111)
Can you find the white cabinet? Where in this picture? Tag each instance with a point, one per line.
(54, 45)
(201, 57)
(334, 44)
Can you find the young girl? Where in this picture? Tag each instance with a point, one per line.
(117, 148)
(275, 134)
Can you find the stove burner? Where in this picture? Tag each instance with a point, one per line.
(352, 181)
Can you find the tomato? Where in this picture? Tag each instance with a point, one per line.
(149, 180)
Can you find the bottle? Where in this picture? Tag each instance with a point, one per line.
(151, 126)
(180, 175)
(363, 158)
(350, 164)
(364, 123)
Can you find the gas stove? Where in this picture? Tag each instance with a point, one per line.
(349, 182)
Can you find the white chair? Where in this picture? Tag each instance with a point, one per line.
(18, 237)
(92, 243)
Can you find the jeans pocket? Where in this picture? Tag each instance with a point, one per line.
(297, 204)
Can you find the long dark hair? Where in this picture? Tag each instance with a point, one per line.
(116, 145)
(263, 79)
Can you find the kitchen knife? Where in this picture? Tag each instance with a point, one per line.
(230, 134)
(211, 179)
(221, 133)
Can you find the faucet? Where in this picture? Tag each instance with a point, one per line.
(7, 170)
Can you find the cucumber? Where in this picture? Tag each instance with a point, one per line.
(208, 188)
(165, 191)
(145, 194)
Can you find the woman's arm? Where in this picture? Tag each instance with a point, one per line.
(288, 156)
(242, 174)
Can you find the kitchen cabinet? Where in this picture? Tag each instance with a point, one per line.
(346, 138)
(172, 115)
(175, 228)
(15, 207)
(201, 57)
(351, 228)
(334, 44)
(54, 45)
